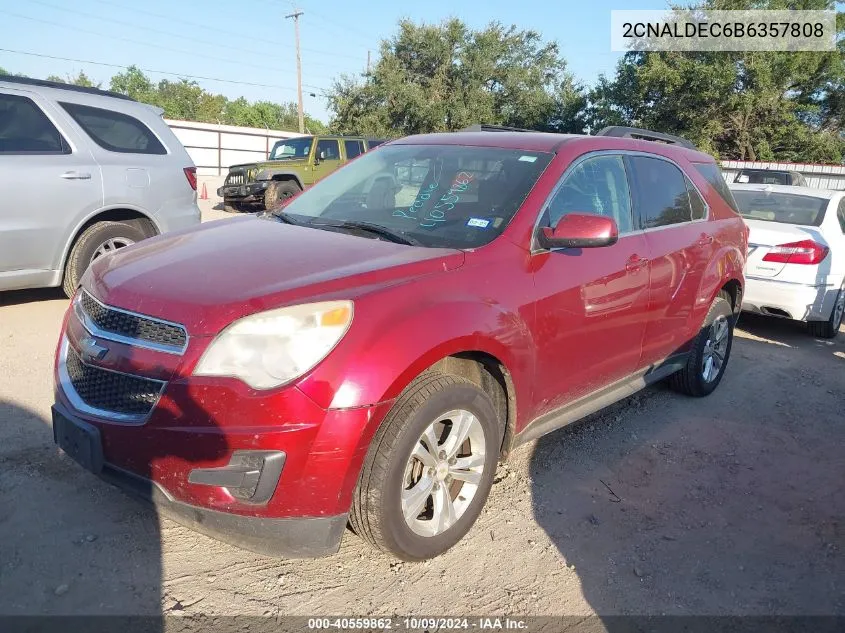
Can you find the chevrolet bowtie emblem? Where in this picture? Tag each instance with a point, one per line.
(90, 350)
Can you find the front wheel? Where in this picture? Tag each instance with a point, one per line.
(710, 351)
(429, 469)
(278, 191)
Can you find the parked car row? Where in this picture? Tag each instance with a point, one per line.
(367, 350)
(83, 172)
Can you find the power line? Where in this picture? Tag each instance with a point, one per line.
(164, 33)
(151, 70)
(181, 35)
(344, 28)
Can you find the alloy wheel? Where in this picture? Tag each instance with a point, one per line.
(715, 349)
(443, 472)
(109, 246)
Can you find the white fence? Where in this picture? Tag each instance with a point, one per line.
(213, 148)
(818, 176)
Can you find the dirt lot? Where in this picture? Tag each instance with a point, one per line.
(662, 504)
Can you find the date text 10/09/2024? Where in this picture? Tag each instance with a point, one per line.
(418, 624)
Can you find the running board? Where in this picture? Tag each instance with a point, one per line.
(598, 400)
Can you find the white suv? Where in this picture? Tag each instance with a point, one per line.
(796, 254)
(83, 172)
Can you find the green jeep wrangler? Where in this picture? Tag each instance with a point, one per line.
(293, 165)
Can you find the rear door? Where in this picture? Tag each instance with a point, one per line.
(672, 215)
(48, 178)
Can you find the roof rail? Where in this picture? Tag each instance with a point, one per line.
(28, 81)
(620, 131)
(486, 127)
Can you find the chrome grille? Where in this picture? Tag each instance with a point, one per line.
(109, 391)
(235, 178)
(131, 326)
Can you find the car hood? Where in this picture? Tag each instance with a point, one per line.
(269, 164)
(208, 276)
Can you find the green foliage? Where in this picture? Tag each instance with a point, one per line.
(443, 77)
(785, 106)
(80, 80)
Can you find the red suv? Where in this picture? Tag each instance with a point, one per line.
(368, 353)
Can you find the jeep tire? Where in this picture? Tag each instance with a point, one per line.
(278, 191)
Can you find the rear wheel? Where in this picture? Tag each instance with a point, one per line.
(429, 469)
(278, 191)
(98, 240)
(710, 351)
(830, 328)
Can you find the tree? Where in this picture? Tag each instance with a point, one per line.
(80, 80)
(741, 105)
(443, 77)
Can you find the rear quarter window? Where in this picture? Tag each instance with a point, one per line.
(115, 131)
(713, 174)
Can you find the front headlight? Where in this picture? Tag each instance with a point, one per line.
(268, 349)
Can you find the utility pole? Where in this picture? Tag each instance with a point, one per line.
(368, 62)
(295, 15)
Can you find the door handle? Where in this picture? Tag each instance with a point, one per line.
(76, 175)
(705, 240)
(635, 263)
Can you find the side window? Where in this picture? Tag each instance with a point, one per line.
(696, 202)
(597, 185)
(353, 148)
(841, 214)
(25, 129)
(373, 143)
(115, 131)
(328, 149)
(714, 176)
(660, 191)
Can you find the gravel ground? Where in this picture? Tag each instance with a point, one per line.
(661, 504)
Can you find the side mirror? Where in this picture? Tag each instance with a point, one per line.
(580, 230)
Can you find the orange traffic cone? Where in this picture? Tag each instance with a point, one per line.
(204, 193)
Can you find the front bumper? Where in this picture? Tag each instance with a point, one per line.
(285, 538)
(792, 300)
(252, 192)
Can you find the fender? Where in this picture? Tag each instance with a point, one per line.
(493, 330)
(70, 237)
(357, 375)
(725, 266)
(273, 174)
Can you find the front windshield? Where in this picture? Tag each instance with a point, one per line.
(438, 195)
(292, 148)
(788, 208)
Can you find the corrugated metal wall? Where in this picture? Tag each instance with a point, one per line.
(213, 148)
(818, 176)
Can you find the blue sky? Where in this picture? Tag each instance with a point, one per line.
(250, 41)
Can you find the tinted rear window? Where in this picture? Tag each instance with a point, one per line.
(764, 178)
(786, 208)
(713, 175)
(660, 192)
(115, 131)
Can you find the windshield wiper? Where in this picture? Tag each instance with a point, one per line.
(281, 216)
(375, 229)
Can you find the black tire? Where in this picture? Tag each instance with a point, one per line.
(89, 241)
(691, 379)
(829, 328)
(376, 513)
(278, 192)
(231, 207)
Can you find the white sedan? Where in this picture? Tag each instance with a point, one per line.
(796, 254)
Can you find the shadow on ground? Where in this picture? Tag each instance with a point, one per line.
(714, 508)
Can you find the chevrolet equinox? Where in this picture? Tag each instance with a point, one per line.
(367, 353)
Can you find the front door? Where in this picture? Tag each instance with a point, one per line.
(592, 303)
(326, 158)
